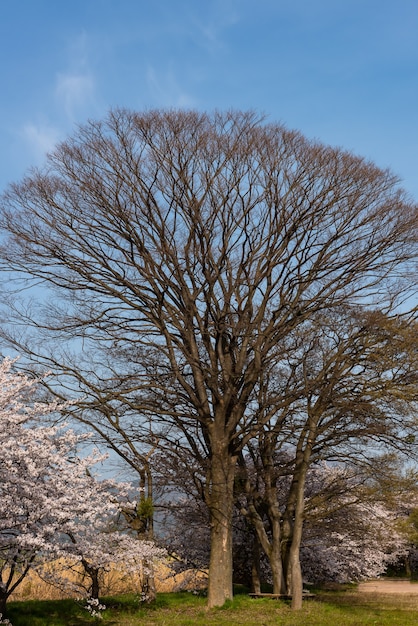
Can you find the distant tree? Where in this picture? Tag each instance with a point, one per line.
(193, 244)
(355, 375)
(51, 505)
(351, 529)
(408, 527)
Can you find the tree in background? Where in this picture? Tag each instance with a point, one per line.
(351, 530)
(194, 244)
(354, 527)
(353, 374)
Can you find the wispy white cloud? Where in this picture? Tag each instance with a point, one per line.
(209, 32)
(74, 92)
(70, 98)
(40, 139)
(166, 89)
(75, 86)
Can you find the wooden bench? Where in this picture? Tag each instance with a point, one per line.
(280, 596)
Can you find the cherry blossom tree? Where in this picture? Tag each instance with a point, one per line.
(351, 531)
(94, 551)
(51, 503)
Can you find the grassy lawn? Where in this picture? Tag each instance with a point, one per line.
(342, 608)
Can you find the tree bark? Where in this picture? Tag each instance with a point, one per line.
(3, 600)
(148, 584)
(294, 571)
(293, 533)
(221, 508)
(274, 554)
(276, 566)
(93, 573)
(255, 566)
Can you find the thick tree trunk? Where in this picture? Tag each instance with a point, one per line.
(221, 507)
(294, 575)
(276, 567)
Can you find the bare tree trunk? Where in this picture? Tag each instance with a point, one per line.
(3, 600)
(276, 566)
(274, 554)
(95, 588)
(221, 508)
(294, 571)
(148, 587)
(142, 521)
(255, 566)
(270, 544)
(293, 533)
(93, 574)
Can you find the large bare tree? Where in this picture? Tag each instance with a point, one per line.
(196, 243)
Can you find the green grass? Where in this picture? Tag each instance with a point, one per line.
(342, 608)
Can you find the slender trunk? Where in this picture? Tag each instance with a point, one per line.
(93, 574)
(408, 567)
(271, 547)
(294, 573)
(293, 536)
(273, 513)
(95, 587)
(221, 501)
(15, 575)
(291, 550)
(294, 515)
(274, 554)
(255, 566)
(3, 599)
(270, 543)
(142, 521)
(148, 589)
(148, 581)
(148, 570)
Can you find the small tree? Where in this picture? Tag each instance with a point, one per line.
(51, 505)
(95, 550)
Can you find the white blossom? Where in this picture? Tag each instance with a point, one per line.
(51, 503)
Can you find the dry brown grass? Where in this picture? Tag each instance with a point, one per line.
(114, 582)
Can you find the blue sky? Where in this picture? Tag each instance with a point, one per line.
(342, 71)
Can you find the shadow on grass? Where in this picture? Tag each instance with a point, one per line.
(326, 609)
(47, 613)
(71, 613)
